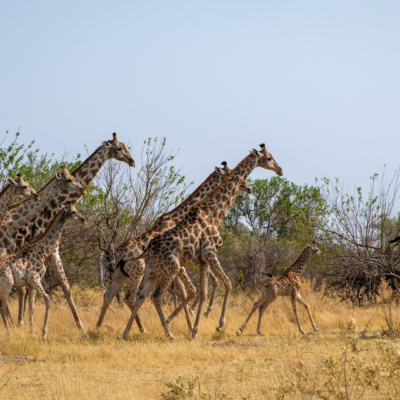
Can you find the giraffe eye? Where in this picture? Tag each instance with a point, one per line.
(69, 180)
(24, 187)
(73, 212)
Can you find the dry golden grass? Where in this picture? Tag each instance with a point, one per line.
(338, 362)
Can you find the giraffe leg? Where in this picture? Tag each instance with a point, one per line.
(215, 284)
(117, 283)
(128, 301)
(302, 301)
(31, 306)
(183, 296)
(34, 280)
(261, 311)
(9, 316)
(215, 266)
(57, 267)
(204, 271)
(136, 273)
(6, 284)
(148, 282)
(255, 307)
(294, 304)
(21, 305)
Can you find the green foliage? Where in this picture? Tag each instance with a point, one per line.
(278, 208)
(37, 168)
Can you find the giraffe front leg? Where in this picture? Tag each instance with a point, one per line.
(21, 305)
(215, 266)
(56, 264)
(34, 280)
(9, 316)
(302, 301)
(31, 306)
(294, 304)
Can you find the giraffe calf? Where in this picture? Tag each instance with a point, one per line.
(27, 268)
(287, 284)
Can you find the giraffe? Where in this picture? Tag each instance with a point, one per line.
(195, 241)
(17, 217)
(132, 273)
(287, 284)
(27, 267)
(211, 276)
(13, 189)
(84, 174)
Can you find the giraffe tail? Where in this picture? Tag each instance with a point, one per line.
(121, 263)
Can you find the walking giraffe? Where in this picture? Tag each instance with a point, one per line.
(287, 284)
(27, 267)
(18, 216)
(132, 273)
(13, 189)
(195, 241)
(84, 174)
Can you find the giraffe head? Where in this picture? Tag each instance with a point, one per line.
(265, 160)
(68, 182)
(72, 213)
(119, 151)
(225, 171)
(315, 251)
(23, 188)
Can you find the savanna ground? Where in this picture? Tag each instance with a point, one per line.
(342, 361)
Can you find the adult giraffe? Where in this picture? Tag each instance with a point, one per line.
(84, 174)
(132, 273)
(18, 216)
(13, 189)
(195, 241)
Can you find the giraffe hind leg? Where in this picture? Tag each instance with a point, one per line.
(294, 304)
(215, 284)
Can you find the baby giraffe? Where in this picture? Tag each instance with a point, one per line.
(27, 268)
(288, 284)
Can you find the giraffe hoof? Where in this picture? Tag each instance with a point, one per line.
(240, 329)
(260, 334)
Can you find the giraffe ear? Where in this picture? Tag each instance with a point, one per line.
(218, 170)
(107, 144)
(58, 175)
(256, 152)
(11, 182)
(63, 206)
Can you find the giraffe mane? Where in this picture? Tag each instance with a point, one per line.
(86, 161)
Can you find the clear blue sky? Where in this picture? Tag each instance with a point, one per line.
(317, 81)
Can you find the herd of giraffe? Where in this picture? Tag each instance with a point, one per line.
(148, 264)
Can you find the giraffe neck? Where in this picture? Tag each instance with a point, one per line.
(49, 238)
(173, 217)
(84, 174)
(22, 215)
(300, 265)
(217, 204)
(6, 196)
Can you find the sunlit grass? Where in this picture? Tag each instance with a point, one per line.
(281, 364)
